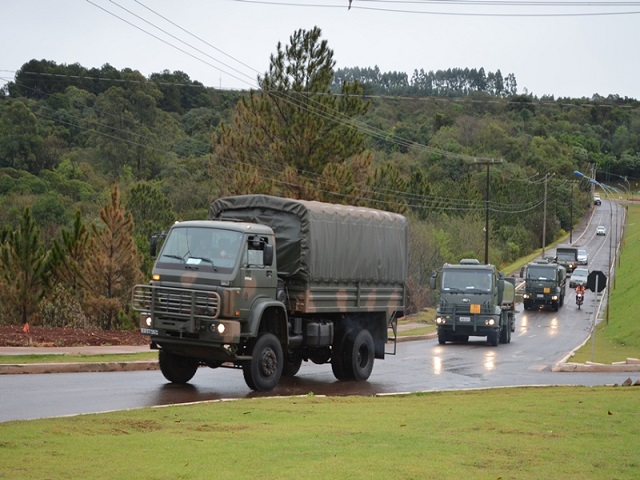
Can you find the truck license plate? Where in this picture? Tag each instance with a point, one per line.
(465, 319)
(540, 295)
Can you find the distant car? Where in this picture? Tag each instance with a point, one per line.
(596, 199)
(601, 230)
(583, 257)
(578, 277)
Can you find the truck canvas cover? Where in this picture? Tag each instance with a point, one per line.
(322, 242)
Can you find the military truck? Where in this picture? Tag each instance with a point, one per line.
(267, 283)
(545, 284)
(567, 256)
(475, 300)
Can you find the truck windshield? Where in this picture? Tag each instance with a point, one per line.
(535, 272)
(473, 281)
(567, 256)
(196, 245)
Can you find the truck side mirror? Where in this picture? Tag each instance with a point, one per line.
(153, 245)
(267, 255)
(432, 280)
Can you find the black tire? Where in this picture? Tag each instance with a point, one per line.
(442, 337)
(505, 333)
(493, 338)
(361, 355)
(292, 363)
(353, 356)
(176, 368)
(554, 306)
(262, 373)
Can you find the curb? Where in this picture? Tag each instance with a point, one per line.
(78, 367)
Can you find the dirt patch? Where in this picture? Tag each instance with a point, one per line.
(14, 336)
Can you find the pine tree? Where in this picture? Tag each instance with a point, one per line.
(294, 121)
(23, 271)
(112, 265)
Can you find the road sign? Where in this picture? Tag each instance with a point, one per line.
(596, 278)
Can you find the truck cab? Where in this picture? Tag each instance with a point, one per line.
(544, 285)
(475, 300)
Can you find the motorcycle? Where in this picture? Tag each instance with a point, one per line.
(579, 299)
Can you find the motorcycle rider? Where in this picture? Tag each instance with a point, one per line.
(579, 290)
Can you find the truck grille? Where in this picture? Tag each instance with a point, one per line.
(175, 303)
(465, 309)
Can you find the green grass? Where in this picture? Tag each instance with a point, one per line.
(619, 338)
(520, 433)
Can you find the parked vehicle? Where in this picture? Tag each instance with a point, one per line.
(545, 284)
(583, 257)
(601, 230)
(475, 300)
(297, 281)
(579, 277)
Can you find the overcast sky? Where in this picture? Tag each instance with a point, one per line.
(552, 50)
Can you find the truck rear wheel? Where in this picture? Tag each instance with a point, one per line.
(262, 373)
(353, 356)
(176, 368)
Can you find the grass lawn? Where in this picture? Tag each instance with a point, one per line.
(519, 433)
(619, 338)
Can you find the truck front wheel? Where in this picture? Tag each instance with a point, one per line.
(493, 337)
(262, 373)
(176, 368)
(292, 363)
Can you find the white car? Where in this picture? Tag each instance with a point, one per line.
(578, 277)
(601, 230)
(583, 257)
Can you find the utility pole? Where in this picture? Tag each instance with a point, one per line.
(544, 213)
(488, 162)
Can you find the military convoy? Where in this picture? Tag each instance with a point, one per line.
(267, 283)
(475, 300)
(544, 286)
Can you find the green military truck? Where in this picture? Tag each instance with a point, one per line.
(475, 300)
(567, 256)
(544, 285)
(269, 282)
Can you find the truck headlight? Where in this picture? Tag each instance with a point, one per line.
(148, 321)
(526, 295)
(554, 297)
(440, 320)
(220, 328)
(490, 322)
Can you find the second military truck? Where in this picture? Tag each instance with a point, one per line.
(267, 283)
(475, 300)
(544, 285)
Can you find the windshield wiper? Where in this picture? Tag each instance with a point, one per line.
(177, 257)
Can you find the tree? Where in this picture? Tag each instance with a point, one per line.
(150, 208)
(112, 265)
(20, 140)
(294, 120)
(23, 270)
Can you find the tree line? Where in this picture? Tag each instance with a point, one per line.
(310, 132)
